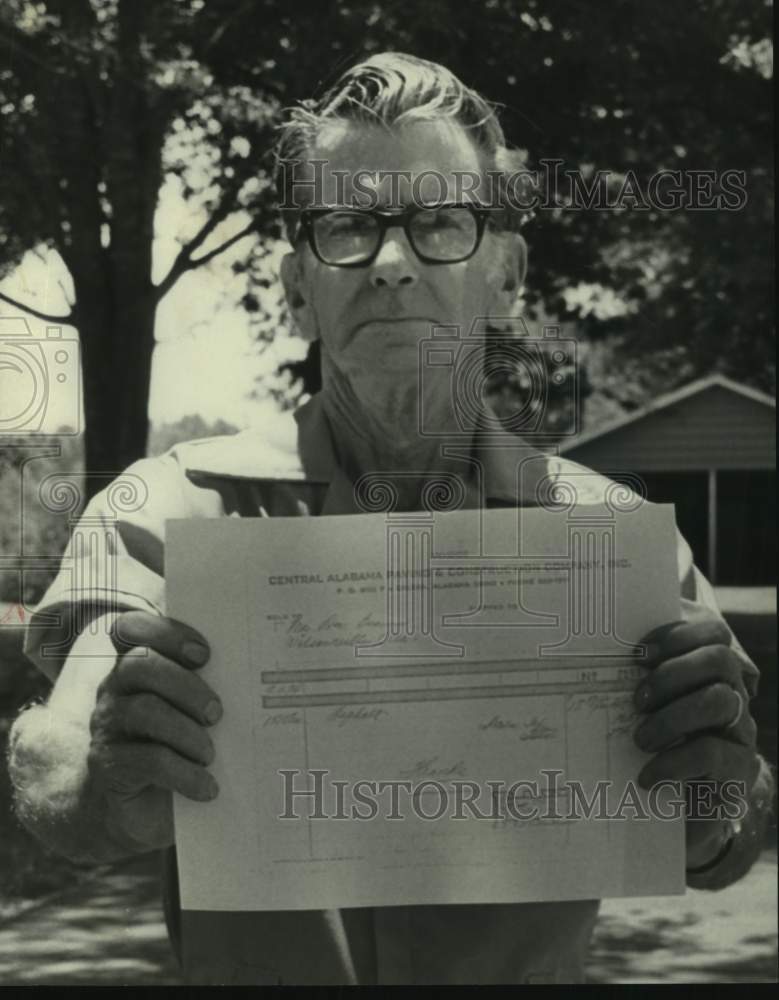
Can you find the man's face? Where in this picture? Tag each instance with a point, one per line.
(375, 316)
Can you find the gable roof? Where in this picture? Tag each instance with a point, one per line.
(671, 399)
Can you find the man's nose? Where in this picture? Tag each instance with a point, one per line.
(396, 263)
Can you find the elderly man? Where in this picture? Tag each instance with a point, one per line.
(376, 262)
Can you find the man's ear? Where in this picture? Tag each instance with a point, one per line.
(516, 264)
(521, 249)
(512, 274)
(296, 294)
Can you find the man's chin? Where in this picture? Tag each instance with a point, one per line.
(374, 356)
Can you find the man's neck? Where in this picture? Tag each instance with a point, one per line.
(379, 432)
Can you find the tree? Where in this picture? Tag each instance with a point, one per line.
(189, 428)
(629, 89)
(102, 101)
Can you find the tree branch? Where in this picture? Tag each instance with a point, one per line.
(46, 317)
(183, 261)
(221, 248)
(20, 46)
(225, 24)
(65, 294)
(219, 215)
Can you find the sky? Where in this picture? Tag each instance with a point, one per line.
(204, 362)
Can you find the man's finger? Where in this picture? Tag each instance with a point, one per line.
(149, 717)
(125, 769)
(703, 757)
(678, 638)
(711, 707)
(145, 670)
(684, 674)
(167, 636)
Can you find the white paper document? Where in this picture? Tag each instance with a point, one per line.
(426, 708)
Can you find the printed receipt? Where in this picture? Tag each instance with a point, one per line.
(426, 708)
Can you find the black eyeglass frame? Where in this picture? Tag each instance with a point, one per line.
(387, 219)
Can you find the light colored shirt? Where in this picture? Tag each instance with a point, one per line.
(115, 562)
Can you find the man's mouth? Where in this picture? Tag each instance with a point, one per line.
(397, 321)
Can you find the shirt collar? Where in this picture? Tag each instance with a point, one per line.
(512, 471)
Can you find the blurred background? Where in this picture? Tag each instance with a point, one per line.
(139, 306)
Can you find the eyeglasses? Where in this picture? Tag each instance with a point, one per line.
(439, 234)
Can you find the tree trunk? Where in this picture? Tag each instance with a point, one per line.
(115, 385)
(116, 300)
(96, 160)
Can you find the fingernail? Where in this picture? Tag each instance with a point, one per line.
(213, 711)
(213, 789)
(646, 652)
(195, 652)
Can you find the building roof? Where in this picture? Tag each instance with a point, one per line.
(670, 399)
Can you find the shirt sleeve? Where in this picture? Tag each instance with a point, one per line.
(114, 560)
(698, 601)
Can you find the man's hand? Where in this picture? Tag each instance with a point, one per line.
(697, 719)
(148, 729)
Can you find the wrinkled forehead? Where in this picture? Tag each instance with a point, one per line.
(368, 166)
